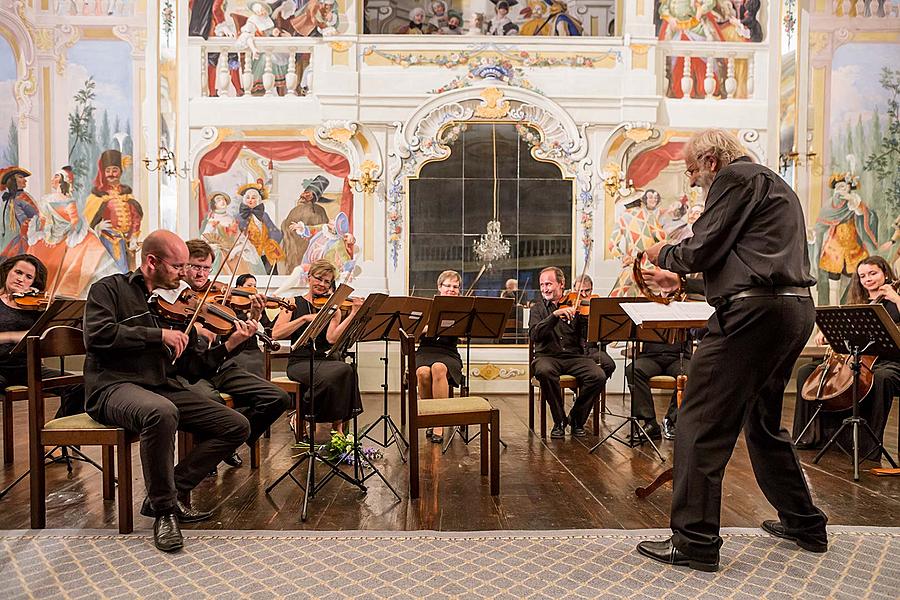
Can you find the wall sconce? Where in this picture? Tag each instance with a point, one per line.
(165, 162)
(365, 183)
(793, 158)
(615, 183)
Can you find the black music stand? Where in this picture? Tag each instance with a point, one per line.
(608, 323)
(395, 313)
(468, 317)
(865, 329)
(61, 311)
(313, 454)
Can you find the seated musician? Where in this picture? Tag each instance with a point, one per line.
(19, 274)
(130, 382)
(510, 289)
(243, 376)
(559, 349)
(337, 398)
(249, 280)
(438, 364)
(585, 286)
(870, 283)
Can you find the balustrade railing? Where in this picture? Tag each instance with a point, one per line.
(866, 9)
(270, 67)
(708, 70)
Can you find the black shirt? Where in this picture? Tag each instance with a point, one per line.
(124, 342)
(553, 336)
(751, 234)
(13, 319)
(321, 343)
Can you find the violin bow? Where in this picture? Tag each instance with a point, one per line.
(57, 279)
(472, 285)
(522, 291)
(580, 280)
(269, 282)
(225, 259)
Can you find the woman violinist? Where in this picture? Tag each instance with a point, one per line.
(437, 360)
(336, 384)
(22, 274)
(871, 283)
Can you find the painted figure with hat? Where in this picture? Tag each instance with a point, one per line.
(437, 20)
(18, 210)
(113, 212)
(417, 24)
(307, 213)
(846, 231)
(60, 235)
(454, 23)
(550, 17)
(254, 222)
(501, 24)
(333, 242)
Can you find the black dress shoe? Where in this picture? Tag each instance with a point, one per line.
(777, 529)
(666, 552)
(652, 430)
(166, 533)
(558, 431)
(578, 431)
(184, 513)
(668, 428)
(233, 461)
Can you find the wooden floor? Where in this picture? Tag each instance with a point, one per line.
(553, 484)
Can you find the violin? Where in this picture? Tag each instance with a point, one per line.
(581, 303)
(240, 298)
(346, 306)
(31, 300)
(216, 317)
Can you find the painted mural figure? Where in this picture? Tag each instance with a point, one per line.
(260, 24)
(688, 20)
(438, 19)
(18, 210)
(113, 212)
(253, 220)
(501, 24)
(454, 23)
(60, 235)
(550, 17)
(220, 229)
(417, 24)
(208, 20)
(637, 229)
(307, 213)
(845, 232)
(332, 242)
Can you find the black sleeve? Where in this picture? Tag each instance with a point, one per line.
(728, 207)
(694, 285)
(102, 331)
(194, 364)
(541, 322)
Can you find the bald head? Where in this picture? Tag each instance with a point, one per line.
(162, 244)
(163, 257)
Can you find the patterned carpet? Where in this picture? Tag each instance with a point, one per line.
(861, 563)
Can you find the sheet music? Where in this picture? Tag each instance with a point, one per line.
(641, 312)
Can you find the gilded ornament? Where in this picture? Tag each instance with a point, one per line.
(492, 106)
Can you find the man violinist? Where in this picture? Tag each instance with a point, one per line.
(558, 334)
(241, 376)
(130, 382)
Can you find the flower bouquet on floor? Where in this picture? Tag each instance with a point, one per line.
(339, 449)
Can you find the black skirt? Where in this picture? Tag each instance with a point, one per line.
(427, 355)
(336, 388)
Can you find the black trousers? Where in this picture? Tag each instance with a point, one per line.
(71, 398)
(590, 377)
(737, 380)
(261, 401)
(639, 373)
(157, 413)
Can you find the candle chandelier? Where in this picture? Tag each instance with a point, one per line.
(492, 246)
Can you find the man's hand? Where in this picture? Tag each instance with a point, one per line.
(566, 313)
(205, 333)
(652, 253)
(176, 340)
(666, 281)
(257, 305)
(243, 331)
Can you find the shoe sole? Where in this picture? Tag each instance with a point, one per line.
(818, 548)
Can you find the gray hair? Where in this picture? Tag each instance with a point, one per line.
(717, 143)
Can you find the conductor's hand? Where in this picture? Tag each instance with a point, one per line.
(566, 313)
(652, 253)
(243, 331)
(667, 281)
(176, 340)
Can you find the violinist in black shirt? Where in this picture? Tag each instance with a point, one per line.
(131, 382)
(750, 245)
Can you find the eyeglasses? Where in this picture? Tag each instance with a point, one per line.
(177, 267)
(200, 268)
(693, 170)
(320, 280)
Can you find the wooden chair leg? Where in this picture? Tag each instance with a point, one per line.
(126, 510)
(402, 405)
(543, 415)
(603, 402)
(254, 455)
(185, 444)
(530, 407)
(484, 449)
(108, 463)
(8, 446)
(38, 486)
(495, 452)
(413, 464)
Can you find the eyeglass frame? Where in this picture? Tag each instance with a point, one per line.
(690, 172)
(180, 267)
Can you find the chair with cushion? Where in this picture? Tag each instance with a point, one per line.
(566, 382)
(76, 430)
(448, 412)
(13, 393)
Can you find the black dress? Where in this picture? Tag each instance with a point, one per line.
(13, 367)
(441, 349)
(336, 383)
(875, 408)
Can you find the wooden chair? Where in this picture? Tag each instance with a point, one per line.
(76, 430)
(13, 393)
(664, 382)
(566, 382)
(293, 388)
(448, 412)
